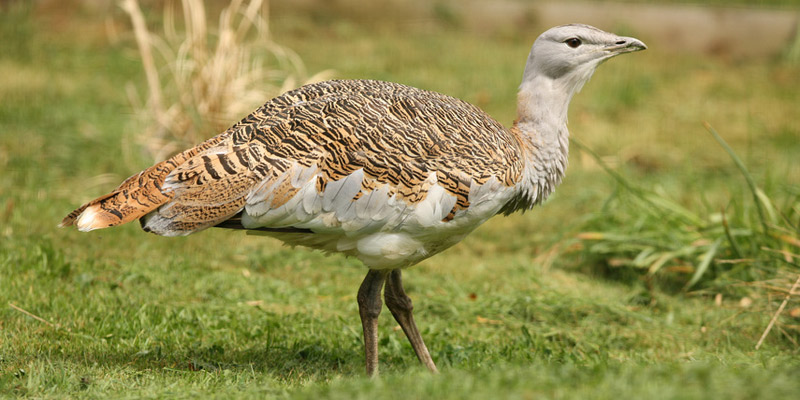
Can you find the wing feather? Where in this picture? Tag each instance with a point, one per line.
(340, 158)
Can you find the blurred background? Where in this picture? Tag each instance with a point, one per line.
(654, 213)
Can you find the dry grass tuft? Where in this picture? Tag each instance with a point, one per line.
(200, 80)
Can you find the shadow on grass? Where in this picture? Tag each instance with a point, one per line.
(301, 357)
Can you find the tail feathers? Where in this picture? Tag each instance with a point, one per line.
(93, 218)
(72, 218)
(89, 216)
(135, 198)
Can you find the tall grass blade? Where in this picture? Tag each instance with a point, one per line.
(708, 257)
(749, 178)
(658, 203)
(614, 174)
(734, 246)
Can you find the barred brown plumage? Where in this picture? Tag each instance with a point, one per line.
(381, 171)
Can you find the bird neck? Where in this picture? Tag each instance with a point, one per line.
(541, 128)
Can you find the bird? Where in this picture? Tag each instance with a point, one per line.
(383, 172)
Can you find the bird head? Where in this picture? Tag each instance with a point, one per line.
(569, 54)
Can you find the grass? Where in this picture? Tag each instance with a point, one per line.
(758, 237)
(517, 311)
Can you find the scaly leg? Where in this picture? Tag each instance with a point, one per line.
(400, 305)
(369, 307)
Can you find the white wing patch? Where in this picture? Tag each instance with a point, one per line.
(482, 198)
(381, 230)
(338, 195)
(436, 206)
(261, 208)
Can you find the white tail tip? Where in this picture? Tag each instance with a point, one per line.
(88, 220)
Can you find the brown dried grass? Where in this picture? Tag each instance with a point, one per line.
(200, 80)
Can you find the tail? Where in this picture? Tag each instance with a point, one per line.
(136, 197)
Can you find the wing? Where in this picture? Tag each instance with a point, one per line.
(344, 157)
(348, 155)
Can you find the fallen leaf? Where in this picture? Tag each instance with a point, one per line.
(482, 320)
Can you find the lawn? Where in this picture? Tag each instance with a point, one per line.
(541, 304)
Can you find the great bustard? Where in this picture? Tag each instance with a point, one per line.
(380, 171)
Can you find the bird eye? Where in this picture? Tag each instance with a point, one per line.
(573, 42)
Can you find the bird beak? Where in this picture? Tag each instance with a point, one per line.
(625, 45)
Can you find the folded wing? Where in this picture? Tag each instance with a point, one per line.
(343, 158)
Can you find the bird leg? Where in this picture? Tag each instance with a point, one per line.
(400, 305)
(369, 307)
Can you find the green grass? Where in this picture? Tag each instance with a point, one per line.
(516, 311)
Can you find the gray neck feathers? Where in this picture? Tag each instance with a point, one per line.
(542, 105)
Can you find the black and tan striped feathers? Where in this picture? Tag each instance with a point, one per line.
(396, 138)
